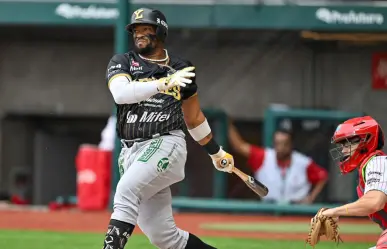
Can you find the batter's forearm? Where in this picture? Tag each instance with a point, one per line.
(193, 121)
(205, 140)
(130, 92)
(200, 131)
(196, 122)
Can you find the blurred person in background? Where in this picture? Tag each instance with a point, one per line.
(108, 135)
(287, 173)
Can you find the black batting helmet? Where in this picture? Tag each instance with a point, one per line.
(150, 16)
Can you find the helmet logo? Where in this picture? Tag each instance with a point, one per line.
(162, 22)
(139, 14)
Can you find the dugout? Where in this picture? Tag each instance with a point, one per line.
(43, 148)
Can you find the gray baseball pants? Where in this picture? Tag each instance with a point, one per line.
(143, 196)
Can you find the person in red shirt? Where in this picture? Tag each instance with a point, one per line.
(283, 149)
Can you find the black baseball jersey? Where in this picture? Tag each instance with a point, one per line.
(160, 113)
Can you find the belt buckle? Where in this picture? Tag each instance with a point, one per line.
(156, 135)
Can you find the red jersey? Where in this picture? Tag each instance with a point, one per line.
(373, 176)
(315, 173)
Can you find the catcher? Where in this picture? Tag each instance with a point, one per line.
(359, 142)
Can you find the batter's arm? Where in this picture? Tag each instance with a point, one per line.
(200, 131)
(123, 89)
(193, 116)
(127, 91)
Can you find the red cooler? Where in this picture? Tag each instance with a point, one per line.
(93, 177)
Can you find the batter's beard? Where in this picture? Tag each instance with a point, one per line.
(148, 50)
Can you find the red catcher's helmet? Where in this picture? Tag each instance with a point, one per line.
(364, 132)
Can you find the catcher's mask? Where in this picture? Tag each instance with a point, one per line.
(152, 17)
(354, 140)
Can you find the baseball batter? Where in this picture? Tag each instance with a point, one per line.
(156, 98)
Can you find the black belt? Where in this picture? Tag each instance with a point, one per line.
(129, 143)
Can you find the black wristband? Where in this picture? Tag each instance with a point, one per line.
(212, 147)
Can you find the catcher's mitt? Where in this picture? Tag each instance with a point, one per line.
(322, 225)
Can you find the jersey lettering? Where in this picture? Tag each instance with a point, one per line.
(174, 92)
(147, 117)
(162, 112)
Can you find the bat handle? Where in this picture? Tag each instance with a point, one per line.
(242, 175)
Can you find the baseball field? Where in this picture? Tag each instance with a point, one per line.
(28, 229)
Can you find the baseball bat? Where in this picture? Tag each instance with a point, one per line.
(258, 187)
(255, 185)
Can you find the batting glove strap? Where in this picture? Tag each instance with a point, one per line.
(212, 147)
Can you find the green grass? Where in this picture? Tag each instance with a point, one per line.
(293, 227)
(56, 240)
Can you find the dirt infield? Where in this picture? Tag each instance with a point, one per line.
(77, 221)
